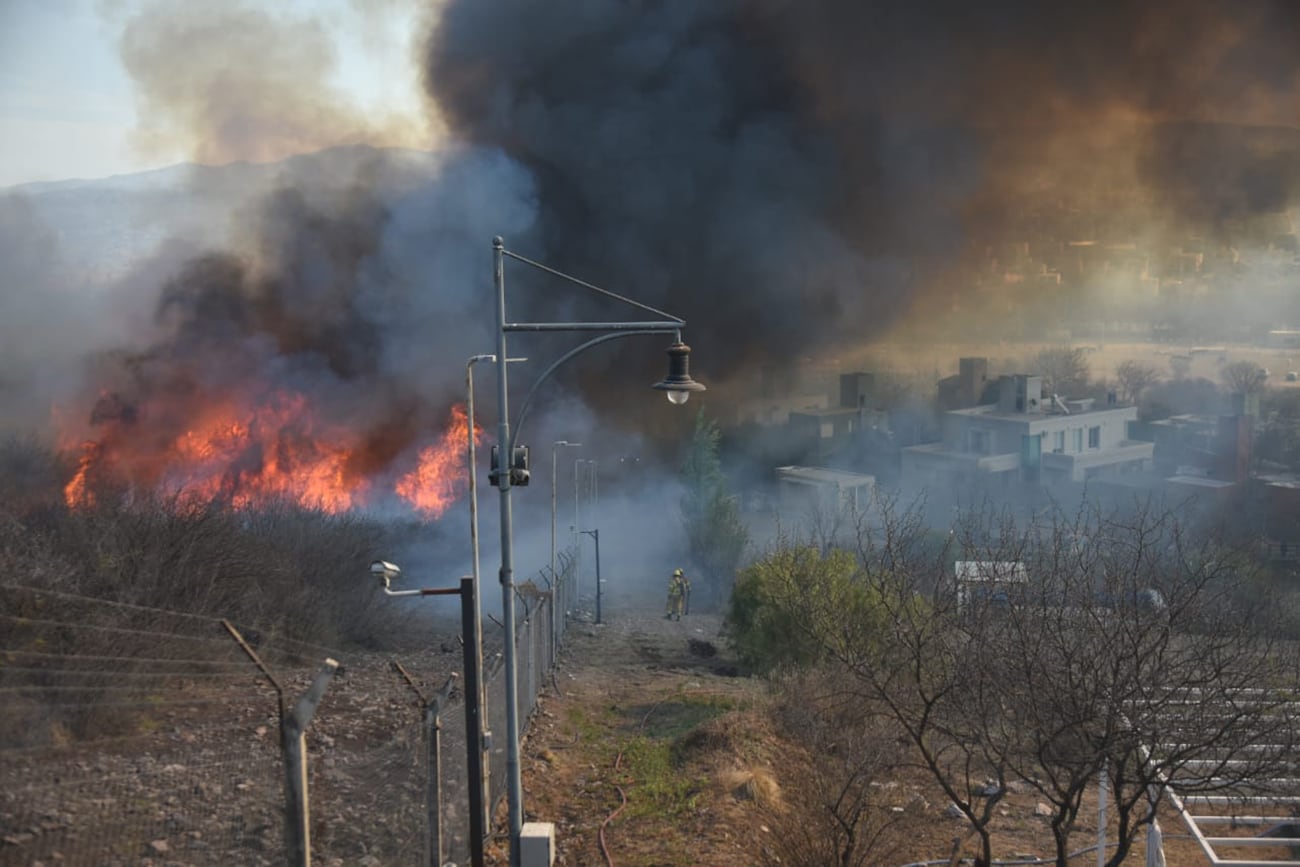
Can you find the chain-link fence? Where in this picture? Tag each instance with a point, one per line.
(134, 735)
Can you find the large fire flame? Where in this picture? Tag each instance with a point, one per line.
(277, 451)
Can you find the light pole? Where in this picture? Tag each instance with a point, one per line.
(593, 499)
(595, 534)
(473, 483)
(512, 466)
(478, 726)
(556, 605)
(577, 530)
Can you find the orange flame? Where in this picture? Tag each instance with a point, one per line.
(438, 479)
(77, 493)
(277, 451)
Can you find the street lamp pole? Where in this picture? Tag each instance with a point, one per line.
(478, 725)
(476, 728)
(577, 529)
(512, 469)
(593, 502)
(595, 535)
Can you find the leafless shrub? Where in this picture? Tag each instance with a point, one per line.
(1244, 377)
(1134, 378)
(835, 808)
(1064, 369)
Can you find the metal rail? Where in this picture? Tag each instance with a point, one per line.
(1256, 808)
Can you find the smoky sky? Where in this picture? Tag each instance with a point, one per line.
(236, 80)
(787, 174)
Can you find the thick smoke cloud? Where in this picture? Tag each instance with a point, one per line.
(353, 291)
(785, 174)
(673, 161)
(236, 81)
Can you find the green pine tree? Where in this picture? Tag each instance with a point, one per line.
(716, 536)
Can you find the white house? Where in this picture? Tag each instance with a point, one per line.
(996, 581)
(817, 489)
(1029, 436)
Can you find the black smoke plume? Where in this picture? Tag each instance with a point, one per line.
(789, 175)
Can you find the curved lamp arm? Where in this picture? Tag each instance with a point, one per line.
(577, 350)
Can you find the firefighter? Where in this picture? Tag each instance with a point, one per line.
(679, 594)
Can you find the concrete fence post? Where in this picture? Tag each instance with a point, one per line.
(293, 747)
(293, 741)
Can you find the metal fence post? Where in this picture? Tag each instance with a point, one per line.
(433, 787)
(433, 791)
(595, 534)
(476, 754)
(432, 708)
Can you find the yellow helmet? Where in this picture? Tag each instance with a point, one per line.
(677, 572)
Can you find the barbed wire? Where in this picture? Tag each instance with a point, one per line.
(99, 600)
(130, 606)
(152, 704)
(65, 672)
(199, 735)
(101, 778)
(117, 630)
(39, 654)
(196, 731)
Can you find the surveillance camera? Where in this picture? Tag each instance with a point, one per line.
(385, 571)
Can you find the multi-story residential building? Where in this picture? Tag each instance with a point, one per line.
(1027, 436)
(829, 432)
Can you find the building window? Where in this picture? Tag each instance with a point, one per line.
(1094, 437)
(1058, 442)
(1077, 439)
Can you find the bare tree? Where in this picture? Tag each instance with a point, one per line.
(1119, 643)
(893, 649)
(1244, 377)
(1064, 369)
(1135, 377)
(923, 677)
(1128, 650)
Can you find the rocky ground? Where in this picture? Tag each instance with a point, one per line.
(191, 773)
(649, 747)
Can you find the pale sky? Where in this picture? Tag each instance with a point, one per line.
(68, 107)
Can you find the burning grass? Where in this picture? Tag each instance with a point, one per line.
(280, 569)
(107, 606)
(252, 447)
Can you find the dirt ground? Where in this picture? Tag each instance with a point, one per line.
(638, 683)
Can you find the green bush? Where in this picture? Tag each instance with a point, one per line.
(790, 608)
